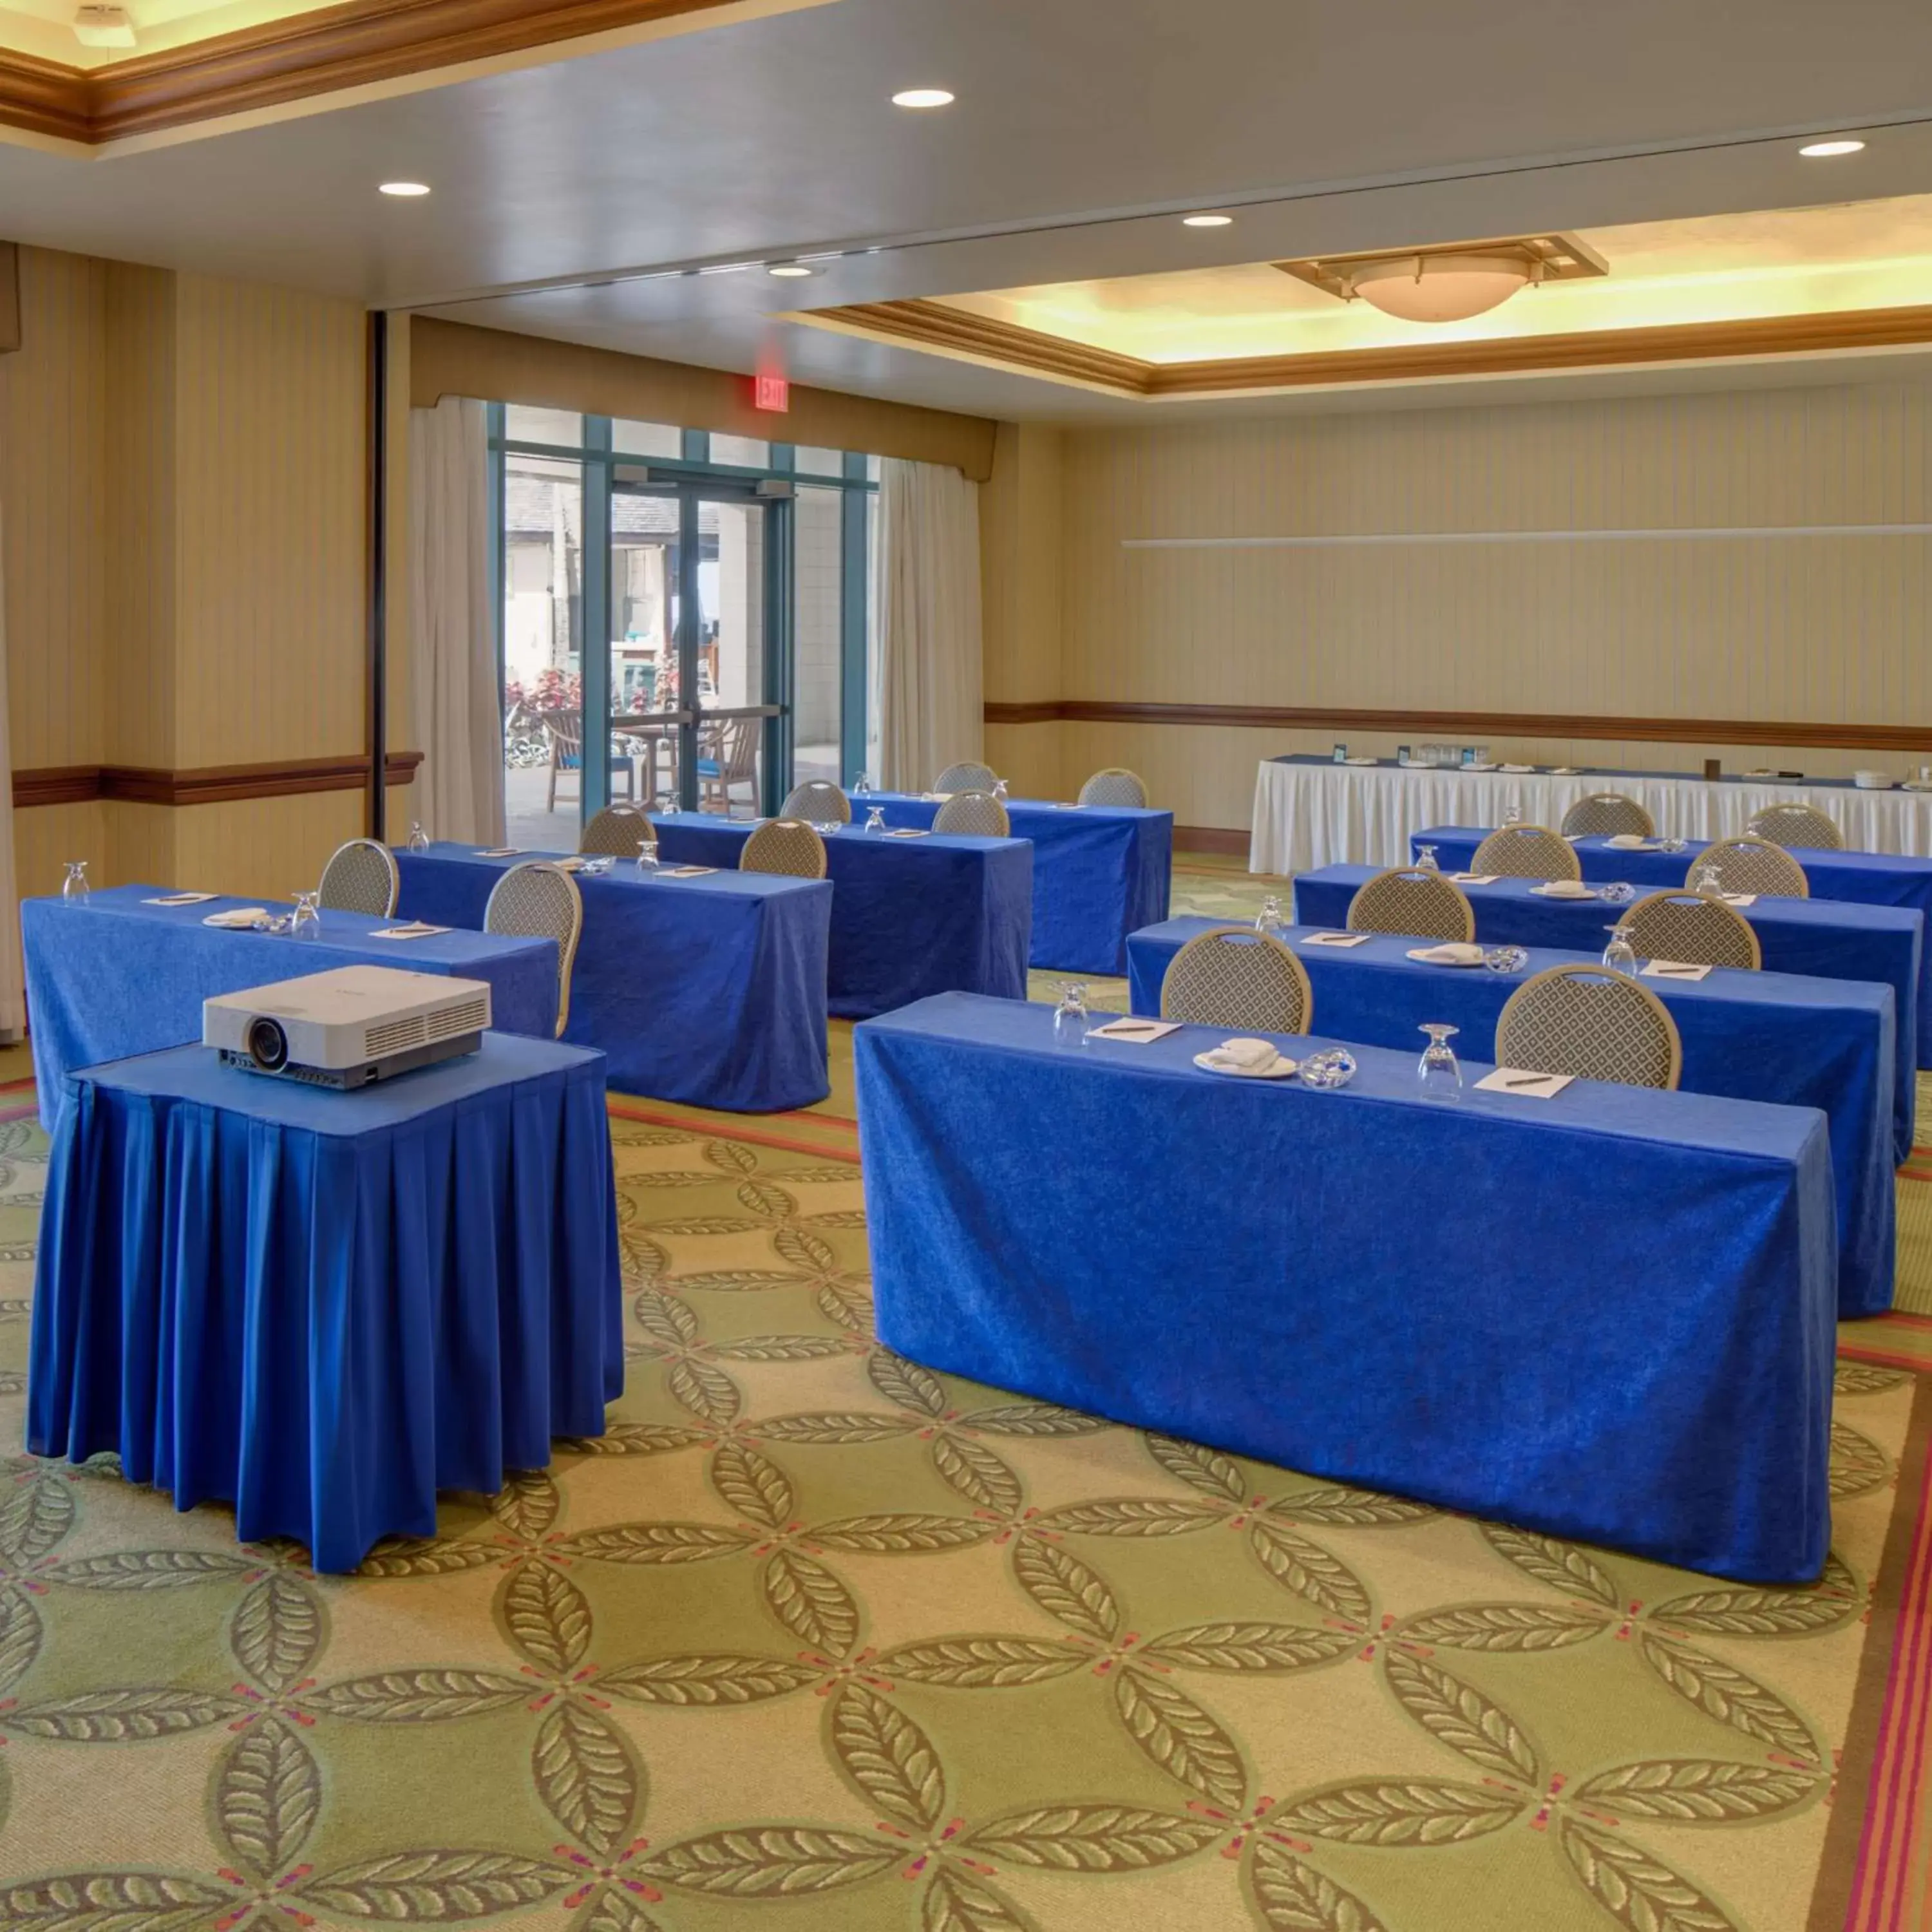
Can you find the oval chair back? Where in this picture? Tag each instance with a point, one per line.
(1423, 905)
(1799, 825)
(784, 845)
(1587, 1021)
(818, 801)
(978, 814)
(617, 829)
(1609, 813)
(361, 876)
(1234, 977)
(1116, 785)
(538, 900)
(1527, 852)
(969, 776)
(1748, 865)
(1694, 931)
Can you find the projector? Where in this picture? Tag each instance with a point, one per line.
(347, 1028)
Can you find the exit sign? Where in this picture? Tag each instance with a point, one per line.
(771, 392)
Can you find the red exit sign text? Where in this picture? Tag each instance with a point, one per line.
(771, 392)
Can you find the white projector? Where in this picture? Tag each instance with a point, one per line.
(347, 1027)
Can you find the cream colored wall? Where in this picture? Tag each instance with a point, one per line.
(1022, 589)
(1815, 629)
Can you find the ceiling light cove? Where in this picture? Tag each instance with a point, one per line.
(1207, 220)
(789, 270)
(403, 191)
(1819, 151)
(921, 96)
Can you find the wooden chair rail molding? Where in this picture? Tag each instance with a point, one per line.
(1486, 724)
(208, 784)
(351, 44)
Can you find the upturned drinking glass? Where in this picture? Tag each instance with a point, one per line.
(305, 923)
(418, 837)
(999, 788)
(1705, 883)
(647, 855)
(875, 819)
(1425, 859)
(1619, 891)
(861, 786)
(1438, 1073)
(1513, 815)
(1268, 919)
(1333, 1066)
(1672, 844)
(1071, 1018)
(1620, 956)
(1505, 958)
(664, 804)
(74, 887)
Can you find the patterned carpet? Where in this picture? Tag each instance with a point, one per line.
(814, 1640)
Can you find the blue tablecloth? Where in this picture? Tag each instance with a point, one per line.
(1607, 1316)
(115, 977)
(1825, 1043)
(1100, 872)
(710, 991)
(1859, 878)
(1810, 938)
(325, 1307)
(909, 917)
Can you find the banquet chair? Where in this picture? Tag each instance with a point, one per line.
(1748, 865)
(1693, 931)
(618, 828)
(361, 876)
(786, 845)
(967, 777)
(1527, 852)
(818, 801)
(1422, 905)
(1116, 785)
(977, 813)
(1794, 824)
(1232, 976)
(727, 756)
(1590, 1022)
(538, 900)
(1608, 812)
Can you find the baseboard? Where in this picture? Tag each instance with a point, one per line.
(1211, 838)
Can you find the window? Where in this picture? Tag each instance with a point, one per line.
(741, 452)
(646, 439)
(563, 428)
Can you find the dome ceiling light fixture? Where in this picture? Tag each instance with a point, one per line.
(1449, 281)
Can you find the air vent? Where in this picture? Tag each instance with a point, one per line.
(473, 1016)
(393, 1035)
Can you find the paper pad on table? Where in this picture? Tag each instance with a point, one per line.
(1140, 1031)
(1738, 899)
(686, 872)
(415, 929)
(239, 918)
(906, 832)
(1627, 841)
(500, 852)
(1335, 938)
(1473, 878)
(1531, 1086)
(181, 899)
(1674, 969)
(1450, 952)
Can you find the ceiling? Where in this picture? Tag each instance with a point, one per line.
(45, 27)
(1082, 129)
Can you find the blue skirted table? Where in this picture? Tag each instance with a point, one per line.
(1100, 872)
(909, 917)
(116, 976)
(325, 1307)
(708, 991)
(1369, 1286)
(1858, 878)
(1825, 1043)
(1820, 939)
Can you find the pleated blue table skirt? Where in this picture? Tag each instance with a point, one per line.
(909, 917)
(1859, 878)
(1768, 1037)
(1100, 872)
(325, 1307)
(1370, 1287)
(710, 991)
(115, 976)
(1809, 938)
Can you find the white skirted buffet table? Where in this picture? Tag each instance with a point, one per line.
(1311, 811)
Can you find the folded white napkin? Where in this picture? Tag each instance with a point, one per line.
(1627, 841)
(1564, 888)
(1527, 1085)
(1451, 952)
(415, 929)
(1361, 761)
(181, 899)
(1738, 899)
(1515, 768)
(1563, 771)
(1243, 1055)
(238, 918)
(1674, 969)
(1473, 878)
(935, 797)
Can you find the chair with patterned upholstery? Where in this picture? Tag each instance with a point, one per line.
(967, 777)
(786, 845)
(1609, 813)
(1694, 931)
(361, 876)
(978, 814)
(1116, 785)
(618, 828)
(818, 801)
(1527, 852)
(1420, 905)
(1748, 865)
(1234, 977)
(538, 900)
(1804, 826)
(1590, 1022)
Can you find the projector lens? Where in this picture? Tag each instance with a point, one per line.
(268, 1045)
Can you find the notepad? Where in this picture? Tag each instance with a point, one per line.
(500, 852)
(415, 929)
(686, 872)
(1529, 1086)
(1141, 1032)
(1738, 899)
(1335, 938)
(1673, 969)
(905, 831)
(1474, 878)
(181, 899)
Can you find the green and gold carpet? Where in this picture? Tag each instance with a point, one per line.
(814, 1640)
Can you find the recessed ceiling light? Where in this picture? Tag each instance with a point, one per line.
(922, 97)
(790, 270)
(1206, 220)
(1818, 150)
(404, 188)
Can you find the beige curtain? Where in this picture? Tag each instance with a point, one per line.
(13, 978)
(930, 711)
(459, 718)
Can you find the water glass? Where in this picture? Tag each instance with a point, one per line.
(1070, 1017)
(862, 786)
(305, 923)
(875, 819)
(1425, 861)
(828, 828)
(1620, 956)
(647, 855)
(1333, 1066)
(1705, 883)
(1672, 844)
(664, 805)
(73, 887)
(1618, 893)
(1513, 815)
(1438, 1074)
(1269, 919)
(418, 837)
(999, 788)
(1505, 958)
